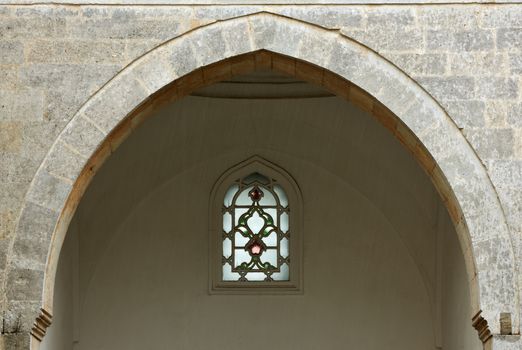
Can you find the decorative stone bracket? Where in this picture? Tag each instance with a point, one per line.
(481, 325)
(43, 321)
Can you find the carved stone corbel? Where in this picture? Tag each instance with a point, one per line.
(43, 321)
(481, 325)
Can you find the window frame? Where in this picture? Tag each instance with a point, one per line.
(270, 170)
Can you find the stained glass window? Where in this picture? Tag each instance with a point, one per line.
(256, 232)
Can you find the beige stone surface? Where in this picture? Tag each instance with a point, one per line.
(451, 73)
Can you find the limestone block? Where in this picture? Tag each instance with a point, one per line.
(506, 173)
(277, 37)
(138, 47)
(457, 41)
(76, 51)
(383, 39)
(317, 49)
(497, 88)
(509, 38)
(155, 71)
(32, 27)
(514, 117)
(10, 136)
(120, 97)
(24, 285)
(478, 63)
(48, 191)
(12, 195)
(449, 88)
(443, 17)
(46, 11)
(390, 17)
(9, 77)
(333, 18)
(11, 52)
(466, 114)
(16, 168)
(26, 104)
(420, 117)
(182, 56)
(515, 63)
(236, 35)
(83, 136)
(64, 161)
(208, 45)
(420, 64)
(208, 14)
(132, 13)
(33, 238)
(123, 28)
(7, 224)
(491, 143)
(16, 341)
(67, 85)
(496, 113)
(507, 342)
(502, 16)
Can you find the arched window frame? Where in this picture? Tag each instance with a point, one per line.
(282, 178)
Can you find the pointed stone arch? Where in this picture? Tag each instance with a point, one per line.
(219, 50)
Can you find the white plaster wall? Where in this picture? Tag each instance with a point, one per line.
(371, 219)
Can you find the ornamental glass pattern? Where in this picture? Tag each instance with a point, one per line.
(256, 232)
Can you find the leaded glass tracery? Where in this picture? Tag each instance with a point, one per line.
(256, 232)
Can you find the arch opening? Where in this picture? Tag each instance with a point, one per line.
(374, 226)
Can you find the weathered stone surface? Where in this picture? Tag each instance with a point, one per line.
(508, 38)
(481, 63)
(26, 104)
(64, 161)
(155, 71)
(8, 77)
(449, 40)
(466, 114)
(400, 39)
(420, 64)
(515, 63)
(391, 17)
(68, 85)
(452, 88)
(497, 88)
(76, 51)
(492, 143)
(514, 117)
(49, 191)
(10, 136)
(82, 135)
(23, 284)
(443, 17)
(33, 239)
(124, 93)
(30, 27)
(341, 17)
(11, 52)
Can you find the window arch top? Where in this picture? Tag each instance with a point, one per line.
(255, 231)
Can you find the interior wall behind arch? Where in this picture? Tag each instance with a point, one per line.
(382, 265)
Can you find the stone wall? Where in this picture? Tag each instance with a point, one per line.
(53, 58)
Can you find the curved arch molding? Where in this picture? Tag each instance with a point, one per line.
(419, 122)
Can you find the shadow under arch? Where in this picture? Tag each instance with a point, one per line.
(223, 49)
